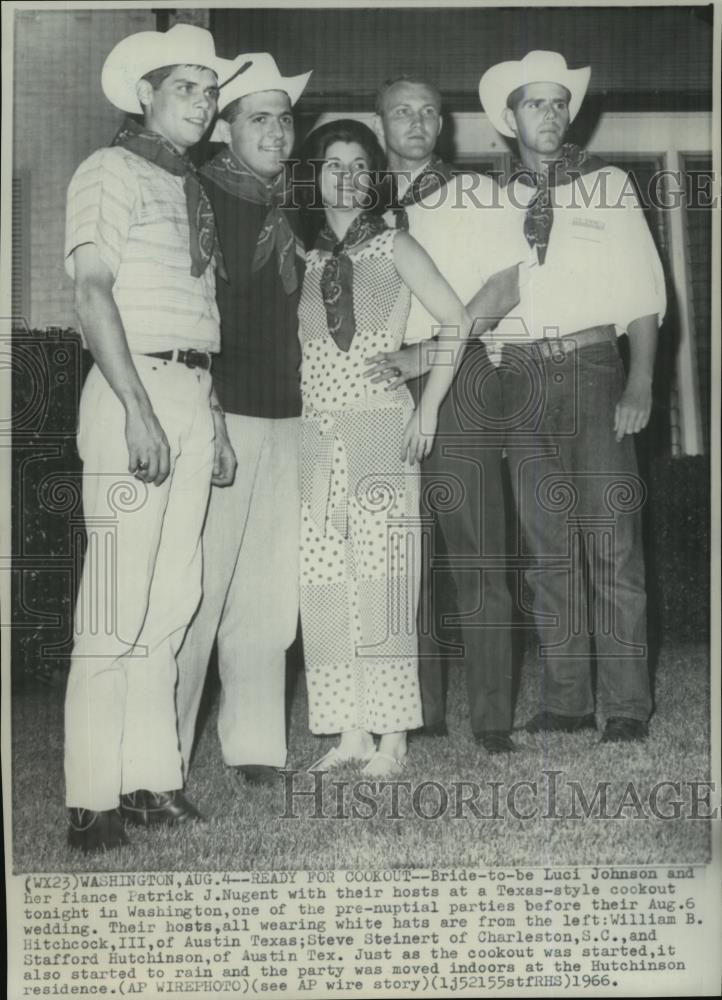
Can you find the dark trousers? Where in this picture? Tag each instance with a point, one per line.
(462, 494)
(579, 499)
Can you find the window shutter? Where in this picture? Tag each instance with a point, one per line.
(698, 256)
(20, 290)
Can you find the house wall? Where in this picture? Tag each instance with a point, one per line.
(60, 117)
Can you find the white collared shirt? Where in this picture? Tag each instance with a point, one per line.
(601, 266)
(405, 178)
(459, 227)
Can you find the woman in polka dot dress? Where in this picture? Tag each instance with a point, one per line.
(360, 549)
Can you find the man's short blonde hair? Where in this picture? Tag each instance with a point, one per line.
(404, 78)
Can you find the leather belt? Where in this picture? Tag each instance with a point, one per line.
(190, 358)
(555, 347)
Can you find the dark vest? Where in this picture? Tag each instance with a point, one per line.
(257, 371)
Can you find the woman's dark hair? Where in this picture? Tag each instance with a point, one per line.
(313, 154)
(345, 130)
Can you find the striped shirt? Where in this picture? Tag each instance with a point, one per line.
(135, 214)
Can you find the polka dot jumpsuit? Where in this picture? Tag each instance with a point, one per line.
(360, 536)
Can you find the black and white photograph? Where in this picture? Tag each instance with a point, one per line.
(360, 494)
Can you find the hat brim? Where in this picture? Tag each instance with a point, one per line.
(294, 86)
(503, 79)
(145, 51)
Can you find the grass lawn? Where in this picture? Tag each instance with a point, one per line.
(247, 829)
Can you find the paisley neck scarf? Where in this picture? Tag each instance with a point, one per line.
(337, 275)
(276, 235)
(158, 150)
(435, 174)
(539, 219)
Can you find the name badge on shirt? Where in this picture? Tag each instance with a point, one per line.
(585, 222)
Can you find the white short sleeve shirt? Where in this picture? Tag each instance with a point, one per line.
(601, 266)
(135, 213)
(461, 228)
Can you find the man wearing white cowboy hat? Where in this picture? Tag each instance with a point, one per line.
(441, 209)
(251, 536)
(142, 250)
(591, 273)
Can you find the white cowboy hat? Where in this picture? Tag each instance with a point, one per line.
(263, 74)
(138, 54)
(538, 66)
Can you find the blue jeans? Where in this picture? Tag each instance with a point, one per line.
(579, 501)
(461, 487)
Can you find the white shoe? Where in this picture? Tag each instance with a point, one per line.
(383, 765)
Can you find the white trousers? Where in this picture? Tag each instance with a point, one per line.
(140, 585)
(250, 596)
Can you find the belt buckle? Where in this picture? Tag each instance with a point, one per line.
(194, 359)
